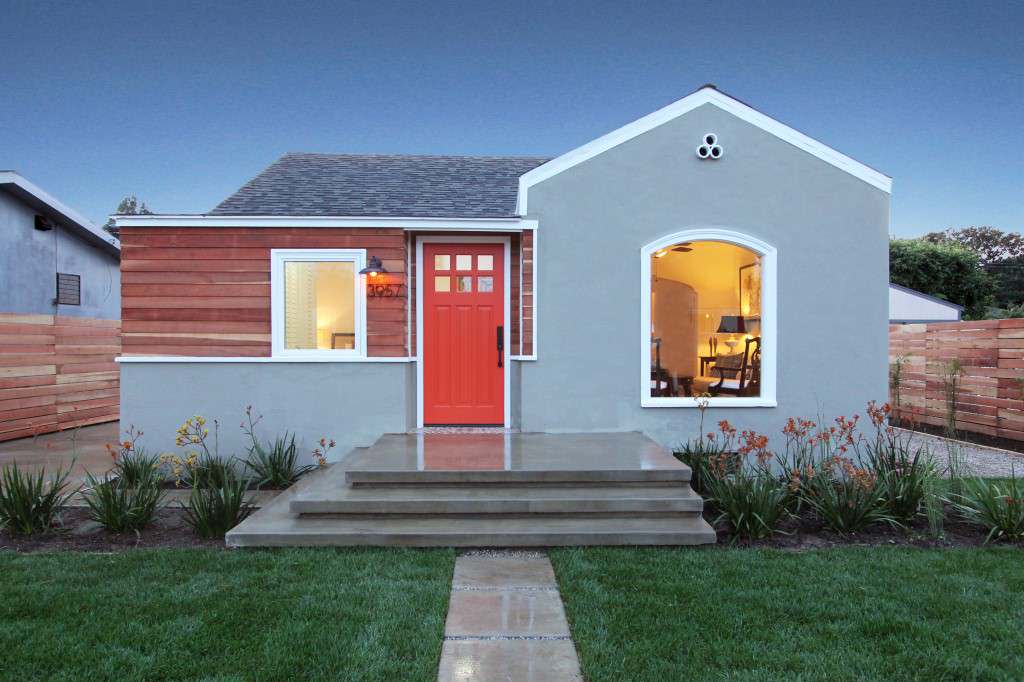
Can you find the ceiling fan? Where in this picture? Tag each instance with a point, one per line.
(681, 248)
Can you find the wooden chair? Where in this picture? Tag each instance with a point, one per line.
(744, 379)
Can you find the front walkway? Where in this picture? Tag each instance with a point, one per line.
(86, 447)
(506, 621)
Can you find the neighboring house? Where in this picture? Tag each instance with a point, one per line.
(907, 306)
(60, 304)
(41, 238)
(704, 248)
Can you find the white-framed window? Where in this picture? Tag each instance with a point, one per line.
(318, 303)
(709, 320)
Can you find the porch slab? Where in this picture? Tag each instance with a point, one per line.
(514, 458)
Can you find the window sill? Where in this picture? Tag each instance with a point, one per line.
(184, 358)
(711, 402)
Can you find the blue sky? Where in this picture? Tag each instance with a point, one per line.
(181, 103)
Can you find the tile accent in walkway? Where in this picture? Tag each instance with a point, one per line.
(506, 621)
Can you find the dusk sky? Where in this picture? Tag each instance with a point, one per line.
(182, 103)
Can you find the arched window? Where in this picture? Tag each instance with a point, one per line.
(708, 320)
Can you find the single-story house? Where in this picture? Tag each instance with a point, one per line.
(60, 304)
(704, 249)
(53, 260)
(908, 306)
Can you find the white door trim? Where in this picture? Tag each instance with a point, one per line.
(458, 239)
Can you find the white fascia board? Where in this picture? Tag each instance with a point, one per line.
(706, 95)
(70, 214)
(439, 223)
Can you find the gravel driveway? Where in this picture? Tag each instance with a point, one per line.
(980, 460)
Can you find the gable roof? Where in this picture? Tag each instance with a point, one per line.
(378, 185)
(707, 94)
(35, 197)
(927, 297)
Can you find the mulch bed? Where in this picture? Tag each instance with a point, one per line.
(808, 532)
(168, 530)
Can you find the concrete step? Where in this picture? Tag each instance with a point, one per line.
(362, 477)
(468, 499)
(285, 529)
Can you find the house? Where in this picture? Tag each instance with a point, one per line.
(60, 303)
(54, 260)
(908, 306)
(704, 249)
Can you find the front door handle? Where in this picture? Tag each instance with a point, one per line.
(501, 346)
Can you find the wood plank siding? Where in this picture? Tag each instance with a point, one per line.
(56, 373)
(991, 352)
(206, 291)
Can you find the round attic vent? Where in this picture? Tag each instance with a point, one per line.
(709, 147)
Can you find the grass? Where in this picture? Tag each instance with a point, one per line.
(215, 615)
(846, 613)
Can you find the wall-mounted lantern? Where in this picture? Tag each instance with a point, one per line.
(374, 269)
(375, 286)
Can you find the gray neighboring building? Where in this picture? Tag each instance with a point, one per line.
(909, 306)
(41, 237)
(766, 242)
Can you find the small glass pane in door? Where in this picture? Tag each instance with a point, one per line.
(442, 262)
(442, 283)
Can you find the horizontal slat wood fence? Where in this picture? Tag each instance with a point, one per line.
(57, 373)
(991, 353)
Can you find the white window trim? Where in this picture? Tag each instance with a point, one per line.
(769, 317)
(278, 257)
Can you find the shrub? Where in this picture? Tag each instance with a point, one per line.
(845, 496)
(133, 466)
(29, 503)
(698, 455)
(204, 467)
(213, 511)
(120, 507)
(903, 473)
(995, 505)
(752, 501)
(277, 464)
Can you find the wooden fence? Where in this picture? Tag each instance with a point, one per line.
(57, 373)
(991, 353)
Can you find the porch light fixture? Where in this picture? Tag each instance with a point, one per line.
(375, 267)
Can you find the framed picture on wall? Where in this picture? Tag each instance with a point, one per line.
(750, 290)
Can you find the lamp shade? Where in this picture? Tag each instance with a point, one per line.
(374, 268)
(732, 324)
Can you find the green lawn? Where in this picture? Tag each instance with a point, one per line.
(846, 613)
(216, 615)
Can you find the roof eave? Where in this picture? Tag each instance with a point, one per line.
(33, 195)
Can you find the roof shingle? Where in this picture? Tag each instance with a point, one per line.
(383, 185)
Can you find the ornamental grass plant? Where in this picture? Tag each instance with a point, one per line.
(995, 505)
(30, 503)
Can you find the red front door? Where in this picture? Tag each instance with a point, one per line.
(463, 318)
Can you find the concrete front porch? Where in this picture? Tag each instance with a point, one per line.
(484, 489)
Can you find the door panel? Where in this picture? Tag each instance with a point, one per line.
(463, 309)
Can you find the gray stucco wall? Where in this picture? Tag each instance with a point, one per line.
(830, 230)
(353, 403)
(30, 259)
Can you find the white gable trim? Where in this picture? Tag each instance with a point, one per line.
(706, 95)
(418, 224)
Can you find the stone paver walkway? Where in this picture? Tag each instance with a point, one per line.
(506, 621)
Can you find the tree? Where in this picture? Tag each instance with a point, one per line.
(130, 205)
(991, 244)
(946, 269)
